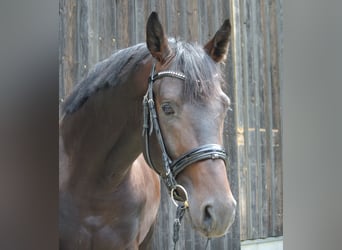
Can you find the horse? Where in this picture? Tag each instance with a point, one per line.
(154, 111)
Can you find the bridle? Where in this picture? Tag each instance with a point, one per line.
(171, 168)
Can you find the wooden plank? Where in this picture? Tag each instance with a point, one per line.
(203, 22)
(69, 54)
(267, 109)
(248, 119)
(101, 29)
(276, 76)
(232, 239)
(251, 123)
(262, 205)
(182, 20)
(109, 23)
(239, 107)
(256, 63)
(106, 22)
(140, 20)
(82, 39)
(192, 21)
(62, 44)
(114, 21)
(131, 18)
(93, 32)
(212, 15)
(122, 25)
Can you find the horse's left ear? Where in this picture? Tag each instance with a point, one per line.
(155, 38)
(217, 47)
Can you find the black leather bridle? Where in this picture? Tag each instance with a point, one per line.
(171, 168)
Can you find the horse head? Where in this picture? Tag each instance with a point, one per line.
(190, 107)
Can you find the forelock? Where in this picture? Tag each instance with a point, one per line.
(203, 75)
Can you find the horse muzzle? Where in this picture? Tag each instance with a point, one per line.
(216, 217)
(211, 204)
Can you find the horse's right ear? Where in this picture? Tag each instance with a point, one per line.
(155, 38)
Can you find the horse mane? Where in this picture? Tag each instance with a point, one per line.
(110, 72)
(191, 59)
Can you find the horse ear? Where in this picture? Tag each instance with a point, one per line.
(155, 38)
(217, 47)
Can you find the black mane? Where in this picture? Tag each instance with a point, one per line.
(191, 59)
(107, 73)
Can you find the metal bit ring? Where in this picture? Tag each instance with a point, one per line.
(185, 202)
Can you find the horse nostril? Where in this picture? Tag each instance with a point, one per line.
(208, 216)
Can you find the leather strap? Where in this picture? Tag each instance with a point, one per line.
(205, 152)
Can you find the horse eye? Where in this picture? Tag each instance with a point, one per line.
(167, 109)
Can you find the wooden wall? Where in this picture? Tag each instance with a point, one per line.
(91, 30)
(257, 55)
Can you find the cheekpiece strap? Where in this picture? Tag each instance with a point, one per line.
(151, 123)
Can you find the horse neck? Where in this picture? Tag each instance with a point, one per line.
(103, 138)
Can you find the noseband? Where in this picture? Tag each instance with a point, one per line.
(171, 168)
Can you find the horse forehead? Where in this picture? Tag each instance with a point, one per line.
(169, 87)
(173, 88)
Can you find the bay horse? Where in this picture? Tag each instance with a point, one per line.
(109, 187)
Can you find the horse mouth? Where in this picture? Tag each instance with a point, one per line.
(208, 230)
(209, 227)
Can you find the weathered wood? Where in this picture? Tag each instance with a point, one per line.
(257, 55)
(238, 108)
(276, 74)
(68, 13)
